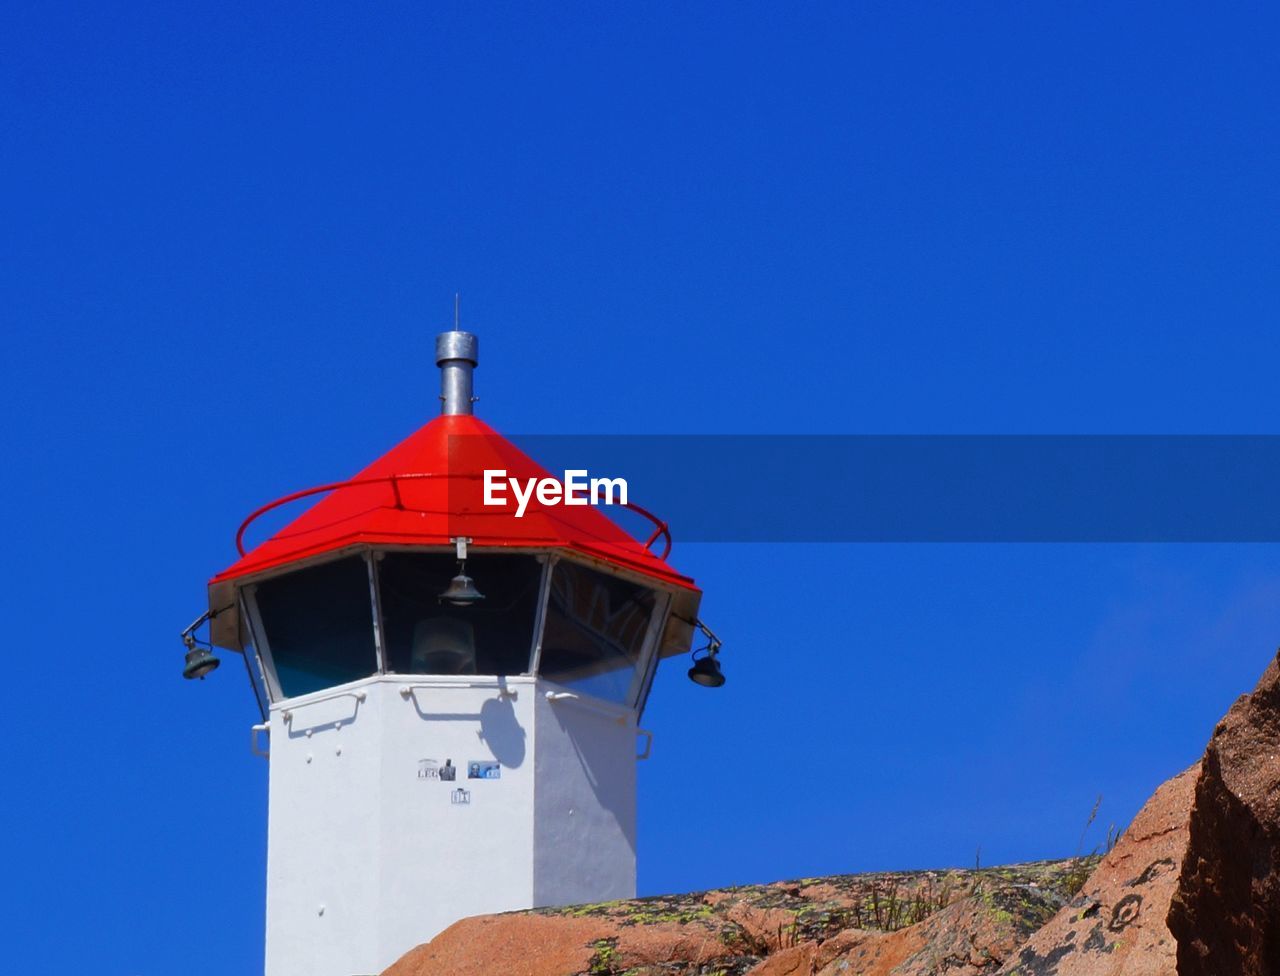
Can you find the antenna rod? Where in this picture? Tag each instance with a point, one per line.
(457, 355)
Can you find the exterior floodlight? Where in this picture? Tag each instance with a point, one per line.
(200, 661)
(706, 669)
(461, 591)
(706, 672)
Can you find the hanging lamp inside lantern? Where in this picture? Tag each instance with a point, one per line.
(461, 591)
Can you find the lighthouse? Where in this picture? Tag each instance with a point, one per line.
(451, 688)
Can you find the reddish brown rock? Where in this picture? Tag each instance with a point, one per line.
(801, 960)
(972, 936)
(1116, 925)
(908, 924)
(1226, 912)
(530, 944)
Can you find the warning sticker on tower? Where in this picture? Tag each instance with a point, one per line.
(434, 769)
(484, 769)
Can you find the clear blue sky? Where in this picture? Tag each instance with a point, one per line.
(229, 231)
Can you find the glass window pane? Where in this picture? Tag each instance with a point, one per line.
(319, 625)
(424, 636)
(596, 625)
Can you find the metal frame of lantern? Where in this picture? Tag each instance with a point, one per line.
(646, 661)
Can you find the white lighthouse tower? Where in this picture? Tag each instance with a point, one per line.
(450, 693)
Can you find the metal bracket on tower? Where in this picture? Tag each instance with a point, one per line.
(255, 740)
(622, 717)
(648, 743)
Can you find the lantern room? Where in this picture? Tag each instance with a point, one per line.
(583, 624)
(450, 690)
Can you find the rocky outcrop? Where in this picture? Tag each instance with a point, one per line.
(1192, 888)
(1226, 911)
(963, 923)
(1116, 925)
(972, 936)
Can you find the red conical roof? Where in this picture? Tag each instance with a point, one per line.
(428, 490)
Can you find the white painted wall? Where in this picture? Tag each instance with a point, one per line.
(367, 858)
(442, 861)
(322, 848)
(584, 845)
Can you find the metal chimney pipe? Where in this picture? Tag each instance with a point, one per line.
(457, 354)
